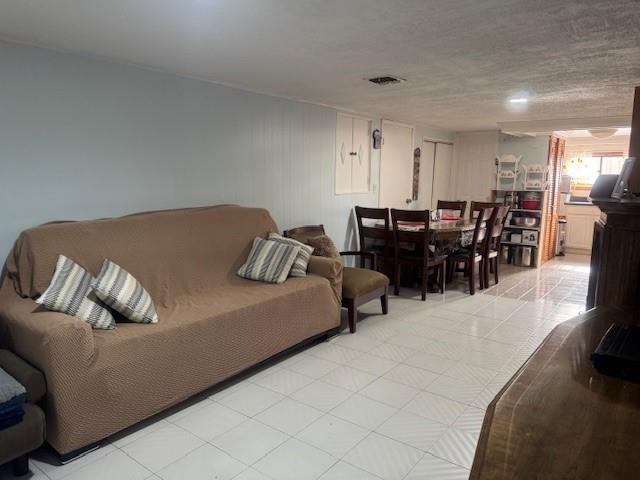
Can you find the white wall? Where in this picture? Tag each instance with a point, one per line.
(82, 138)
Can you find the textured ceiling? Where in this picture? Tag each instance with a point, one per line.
(462, 59)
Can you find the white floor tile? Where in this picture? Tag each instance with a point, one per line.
(414, 430)
(162, 447)
(333, 435)
(334, 353)
(373, 364)
(204, 463)
(295, 460)
(349, 378)
(470, 421)
(45, 461)
(384, 457)
(355, 341)
(284, 381)
(456, 446)
(363, 411)
(321, 395)
(463, 391)
(139, 433)
(412, 376)
(313, 367)
(434, 468)
(435, 407)
(249, 441)
(397, 353)
(116, 464)
(211, 421)
(251, 474)
(389, 392)
(430, 362)
(345, 471)
(251, 399)
(289, 416)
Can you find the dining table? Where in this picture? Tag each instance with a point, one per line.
(445, 233)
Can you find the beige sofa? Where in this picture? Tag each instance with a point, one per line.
(213, 324)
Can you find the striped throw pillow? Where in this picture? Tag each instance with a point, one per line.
(70, 292)
(269, 261)
(121, 291)
(299, 268)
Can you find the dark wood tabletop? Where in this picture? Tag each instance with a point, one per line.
(558, 418)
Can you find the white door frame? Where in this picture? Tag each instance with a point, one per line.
(435, 152)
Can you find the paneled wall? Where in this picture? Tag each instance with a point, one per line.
(82, 138)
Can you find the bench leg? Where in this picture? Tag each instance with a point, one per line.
(384, 302)
(352, 315)
(21, 465)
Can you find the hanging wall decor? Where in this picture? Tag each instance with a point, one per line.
(416, 173)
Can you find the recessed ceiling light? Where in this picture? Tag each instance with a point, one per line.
(518, 100)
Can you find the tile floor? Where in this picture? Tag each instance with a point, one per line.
(404, 398)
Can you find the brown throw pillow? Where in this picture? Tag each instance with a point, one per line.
(323, 246)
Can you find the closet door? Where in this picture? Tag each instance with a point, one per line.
(442, 172)
(396, 165)
(344, 143)
(426, 200)
(360, 161)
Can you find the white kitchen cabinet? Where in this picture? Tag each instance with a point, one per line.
(580, 221)
(352, 154)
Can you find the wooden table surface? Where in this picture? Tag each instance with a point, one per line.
(558, 418)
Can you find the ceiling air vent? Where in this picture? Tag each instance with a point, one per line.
(386, 80)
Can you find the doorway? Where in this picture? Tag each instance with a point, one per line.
(396, 165)
(435, 173)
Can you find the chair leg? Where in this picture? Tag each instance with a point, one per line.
(21, 465)
(470, 270)
(425, 278)
(396, 283)
(443, 273)
(384, 302)
(485, 271)
(495, 269)
(352, 314)
(481, 272)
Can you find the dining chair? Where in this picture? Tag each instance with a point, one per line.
(420, 236)
(460, 205)
(477, 206)
(373, 237)
(473, 254)
(494, 242)
(359, 285)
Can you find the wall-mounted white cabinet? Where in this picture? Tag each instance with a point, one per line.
(353, 165)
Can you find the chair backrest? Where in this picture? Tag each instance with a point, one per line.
(374, 232)
(460, 205)
(302, 234)
(497, 221)
(477, 206)
(420, 220)
(480, 237)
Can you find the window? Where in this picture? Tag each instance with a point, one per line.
(584, 170)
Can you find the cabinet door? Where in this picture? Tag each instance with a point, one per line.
(578, 231)
(360, 166)
(344, 143)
